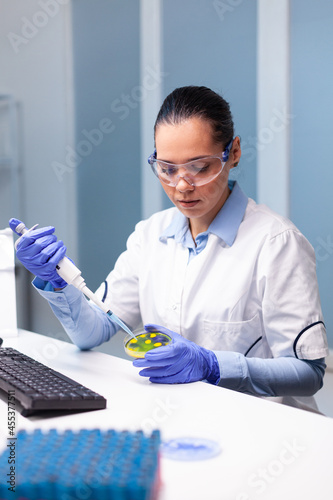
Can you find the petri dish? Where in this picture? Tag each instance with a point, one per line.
(190, 449)
(144, 342)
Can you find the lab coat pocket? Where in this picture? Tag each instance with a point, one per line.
(240, 336)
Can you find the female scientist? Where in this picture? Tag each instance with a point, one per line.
(233, 283)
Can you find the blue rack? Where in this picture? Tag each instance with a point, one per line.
(88, 464)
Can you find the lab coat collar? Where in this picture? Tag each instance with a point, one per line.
(225, 225)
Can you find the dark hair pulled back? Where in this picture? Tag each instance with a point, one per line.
(192, 101)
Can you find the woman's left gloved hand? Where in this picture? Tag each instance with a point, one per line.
(179, 362)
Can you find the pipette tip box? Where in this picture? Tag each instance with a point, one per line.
(87, 464)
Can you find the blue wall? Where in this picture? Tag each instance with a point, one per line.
(202, 45)
(311, 197)
(206, 43)
(106, 71)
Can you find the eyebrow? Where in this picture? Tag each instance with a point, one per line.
(188, 161)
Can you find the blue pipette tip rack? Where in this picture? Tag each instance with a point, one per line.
(89, 464)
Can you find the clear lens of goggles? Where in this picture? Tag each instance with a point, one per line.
(196, 173)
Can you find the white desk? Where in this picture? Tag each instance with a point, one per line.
(269, 451)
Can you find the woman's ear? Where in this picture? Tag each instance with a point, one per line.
(236, 152)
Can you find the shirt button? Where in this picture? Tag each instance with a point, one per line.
(174, 307)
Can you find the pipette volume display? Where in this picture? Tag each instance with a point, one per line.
(72, 275)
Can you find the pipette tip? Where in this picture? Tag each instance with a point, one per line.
(120, 323)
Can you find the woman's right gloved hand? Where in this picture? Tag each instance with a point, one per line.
(40, 252)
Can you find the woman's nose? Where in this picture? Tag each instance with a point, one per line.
(184, 184)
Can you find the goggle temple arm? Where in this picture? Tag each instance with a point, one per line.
(152, 157)
(226, 152)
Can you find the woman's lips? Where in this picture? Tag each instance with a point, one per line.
(188, 203)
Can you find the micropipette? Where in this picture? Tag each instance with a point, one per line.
(72, 275)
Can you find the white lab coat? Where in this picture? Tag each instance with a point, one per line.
(258, 296)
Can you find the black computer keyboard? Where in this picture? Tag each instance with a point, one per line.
(37, 387)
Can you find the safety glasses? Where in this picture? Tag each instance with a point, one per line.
(196, 173)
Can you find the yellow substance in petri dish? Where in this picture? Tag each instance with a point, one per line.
(138, 347)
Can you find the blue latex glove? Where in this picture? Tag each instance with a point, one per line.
(179, 362)
(40, 251)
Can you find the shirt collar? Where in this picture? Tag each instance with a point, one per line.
(225, 225)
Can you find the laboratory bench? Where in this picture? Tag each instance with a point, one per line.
(267, 450)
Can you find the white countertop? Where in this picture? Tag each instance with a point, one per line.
(269, 451)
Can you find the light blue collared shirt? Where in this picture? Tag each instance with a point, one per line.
(225, 225)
